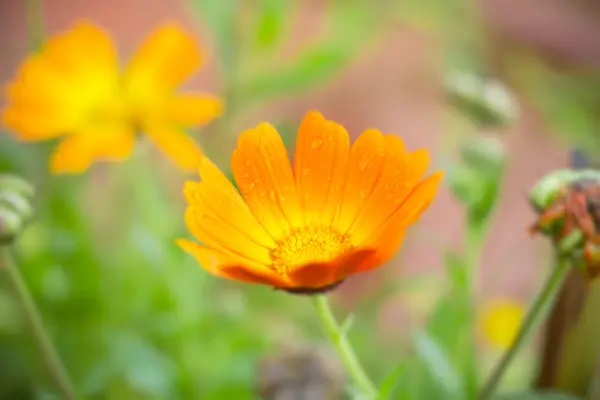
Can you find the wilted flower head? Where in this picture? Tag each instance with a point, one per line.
(74, 89)
(568, 204)
(337, 212)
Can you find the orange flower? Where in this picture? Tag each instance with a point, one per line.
(73, 88)
(338, 212)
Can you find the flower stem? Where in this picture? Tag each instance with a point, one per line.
(537, 310)
(49, 354)
(338, 338)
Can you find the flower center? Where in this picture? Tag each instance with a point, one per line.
(308, 245)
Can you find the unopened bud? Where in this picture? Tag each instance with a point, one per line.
(15, 206)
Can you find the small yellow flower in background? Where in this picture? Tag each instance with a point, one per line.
(340, 210)
(500, 321)
(74, 89)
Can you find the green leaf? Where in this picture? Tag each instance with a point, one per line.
(438, 363)
(320, 61)
(271, 22)
(390, 381)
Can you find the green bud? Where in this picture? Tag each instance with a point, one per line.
(487, 103)
(12, 183)
(10, 225)
(15, 206)
(546, 189)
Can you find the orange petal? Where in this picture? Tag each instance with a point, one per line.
(322, 152)
(218, 234)
(263, 173)
(216, 194)
(323, 274)
(400, 174)
(388, 242)
(192, 109)
(363, 172)
(166, 58)
(177, 145)
(77, 152)
(227, 266)
(388, 238)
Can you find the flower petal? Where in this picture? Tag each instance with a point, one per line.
(227, 266)
(322, 152)
(263, 173)
(77, 152)
(363, 172)
(389, 237)
(164, 60)
(218, 234)
(216, 193)
(75, 73)
(192, 109)
(323, 274)
(400, 174)
(177, 145)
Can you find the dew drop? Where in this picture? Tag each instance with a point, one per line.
(363, 194)
(363, 165)
(316, 143)
(246, 174)
(305, 172)
(248, 162)
(272, 194)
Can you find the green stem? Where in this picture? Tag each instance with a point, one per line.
(474, 241)
(533, 316)
(338, 338)
(49, 354)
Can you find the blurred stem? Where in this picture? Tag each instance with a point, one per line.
(540, 305)
(34, 319)
(475, 239)
(35, 23)
(338, 338)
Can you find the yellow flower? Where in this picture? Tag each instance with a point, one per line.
(500, 321)
(74, 89)
(337, 212)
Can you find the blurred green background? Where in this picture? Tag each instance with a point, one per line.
(134, 317)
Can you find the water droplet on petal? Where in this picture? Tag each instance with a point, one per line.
(246, 174)
(272, 194)
(316, 143)
(306, 172)
(363, 165)
(248, 162)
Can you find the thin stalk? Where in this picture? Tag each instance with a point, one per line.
(32, 315)
(339, 340)
(533, 316)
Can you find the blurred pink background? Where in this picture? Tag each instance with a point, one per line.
(393, 85)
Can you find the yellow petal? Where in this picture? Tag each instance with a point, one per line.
(192, 109)
(177, 145)
(77, 152)
(64, 85)
(167, 58)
